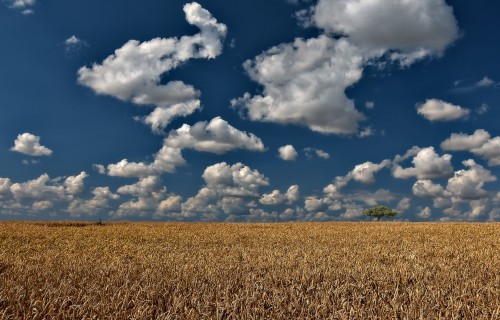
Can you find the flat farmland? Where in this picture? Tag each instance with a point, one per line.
(383, 270)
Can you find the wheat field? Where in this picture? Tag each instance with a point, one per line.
(386, 270)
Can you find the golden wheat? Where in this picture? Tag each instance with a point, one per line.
(249, 271)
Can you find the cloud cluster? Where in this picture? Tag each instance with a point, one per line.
(39, 194)
(29, 144)
(133, 72)
(101, 197)
(26, 6)
(465, 186)
(227, 190)
(304, 82)
(348, 205)
(216, 136)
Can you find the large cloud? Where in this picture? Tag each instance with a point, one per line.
(415, 28)
(490, 151)
(468, 184)
(133, 72)
(478, 143)
(39, 189)
(75, 184)
(216, 136)
(426, 188)
(427, 165)
(29, 144)
(438, 110)
(462, 141)
(304, 83)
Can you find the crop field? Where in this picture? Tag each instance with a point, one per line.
(387, 270)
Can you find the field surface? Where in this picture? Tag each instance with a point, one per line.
(249, 271)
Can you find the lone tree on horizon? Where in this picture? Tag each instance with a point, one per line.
(379, 212)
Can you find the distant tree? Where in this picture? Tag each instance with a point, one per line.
(379, 212)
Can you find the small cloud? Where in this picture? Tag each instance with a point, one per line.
(425, 213)
(29, 144)
(369, 105)
(485, 82)
(482, 109)
(438, 110)
(310, 152)
(367, 132)
(73, 46)
(403, 205)
(288, 153)
(28, 162)
(99, 168)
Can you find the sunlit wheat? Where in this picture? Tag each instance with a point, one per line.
(249, 271)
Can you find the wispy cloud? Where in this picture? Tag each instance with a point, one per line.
(485, 82)
(24, 6)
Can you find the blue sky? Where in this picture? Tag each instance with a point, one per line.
(249, 111)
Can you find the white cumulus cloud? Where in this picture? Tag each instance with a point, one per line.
(479, 143)
(75, 184)
(166, 160)
(134, 71)
(229, 189)
(414, 28)
(288, 153)
(462, 141)
(438, 110)
(276, 197)
(216, 136)
(468, 184)
(304, 84)
(29, 144)
(425, 213)
(427, 165)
